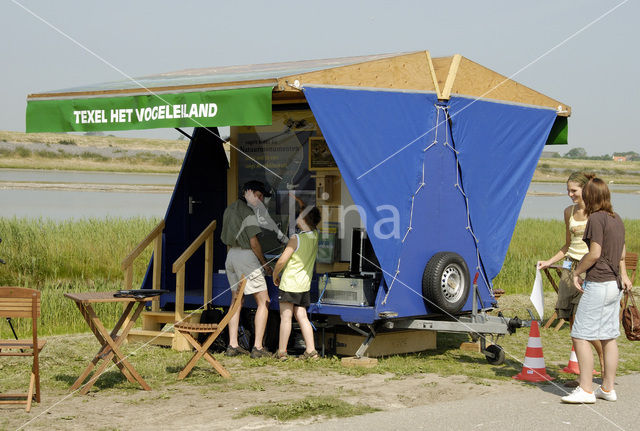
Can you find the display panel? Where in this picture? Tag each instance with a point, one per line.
(277, 155)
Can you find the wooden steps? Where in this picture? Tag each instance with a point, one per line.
(151, 332)
(158, 338)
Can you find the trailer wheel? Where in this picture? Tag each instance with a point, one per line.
(498, 354)
(445, 282)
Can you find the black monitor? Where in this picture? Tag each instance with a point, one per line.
(363, 258)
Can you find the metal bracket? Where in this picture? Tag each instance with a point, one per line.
(367, 341)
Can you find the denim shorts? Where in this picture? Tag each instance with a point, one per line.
(598, 314)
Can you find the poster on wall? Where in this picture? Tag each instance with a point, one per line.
(320, 158)
(277, 155)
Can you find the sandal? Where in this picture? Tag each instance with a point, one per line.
(310, 355)
(281, 356)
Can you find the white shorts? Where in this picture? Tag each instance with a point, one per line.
(243, 262)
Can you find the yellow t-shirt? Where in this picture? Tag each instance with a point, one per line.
(297, 274)
(577, 248)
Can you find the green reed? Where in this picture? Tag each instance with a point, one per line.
(57, 257)
(85, 255)
(534, 240)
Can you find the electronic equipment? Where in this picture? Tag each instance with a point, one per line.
(343, 288)
(363, 258)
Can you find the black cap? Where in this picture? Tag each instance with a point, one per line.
(256, 186)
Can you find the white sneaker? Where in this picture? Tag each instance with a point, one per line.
(579, 396)
(609, 396)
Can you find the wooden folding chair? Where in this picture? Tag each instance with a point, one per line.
(214, 329)
(19, 302)
(554, 316)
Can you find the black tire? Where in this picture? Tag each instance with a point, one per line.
(498, 354)
(446, 282)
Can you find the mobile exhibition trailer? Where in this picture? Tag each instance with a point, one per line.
(419, 165)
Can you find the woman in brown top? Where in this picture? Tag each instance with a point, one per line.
(597, 316)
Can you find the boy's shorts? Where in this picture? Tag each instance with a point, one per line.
(301, 299)
(244, 262)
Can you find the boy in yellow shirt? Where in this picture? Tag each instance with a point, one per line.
(296, 265)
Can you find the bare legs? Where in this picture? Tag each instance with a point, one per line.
(262, 314)
(260, 320)
(287, 310)
(234, 322)
(596, 345)
(609, 350)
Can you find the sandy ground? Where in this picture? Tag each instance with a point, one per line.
(183, 406)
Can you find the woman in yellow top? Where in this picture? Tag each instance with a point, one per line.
(574, 248)
(292, 275)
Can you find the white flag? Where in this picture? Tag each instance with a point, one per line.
(537, 298)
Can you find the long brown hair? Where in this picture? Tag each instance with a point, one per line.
(596, 197)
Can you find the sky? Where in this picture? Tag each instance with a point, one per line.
(582, 53)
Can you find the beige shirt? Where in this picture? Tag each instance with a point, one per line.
(577, 248)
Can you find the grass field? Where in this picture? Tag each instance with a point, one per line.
(82, 140)
(59, 257)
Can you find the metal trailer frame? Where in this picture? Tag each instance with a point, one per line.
(478, 325)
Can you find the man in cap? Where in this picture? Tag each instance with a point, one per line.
(240, 228)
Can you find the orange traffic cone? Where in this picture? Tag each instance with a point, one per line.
(573, 367)
(533, 369)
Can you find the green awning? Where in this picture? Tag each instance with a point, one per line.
(231, 107)
(559, 134)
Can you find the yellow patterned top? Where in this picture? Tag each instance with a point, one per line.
(577, 247)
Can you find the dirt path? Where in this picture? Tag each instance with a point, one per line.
(186, 406)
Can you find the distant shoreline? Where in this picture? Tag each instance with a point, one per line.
(66, 152)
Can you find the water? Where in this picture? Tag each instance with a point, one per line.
(544, 200)
(77, 204)
(548, 200)
(36, 175)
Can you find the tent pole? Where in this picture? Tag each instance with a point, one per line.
(183, 132)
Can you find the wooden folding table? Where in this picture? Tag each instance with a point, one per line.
(110, 342)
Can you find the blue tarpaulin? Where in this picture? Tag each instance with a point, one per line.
(426, 183)
(500, 145)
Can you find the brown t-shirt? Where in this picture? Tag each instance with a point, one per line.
(608, 231)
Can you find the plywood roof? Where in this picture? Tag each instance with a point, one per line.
(414, 71)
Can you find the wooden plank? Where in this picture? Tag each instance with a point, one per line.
(157, 271)
(475, 80)
(127, 261)
(208, 270)
(433, 74)
(208, 231)
(352, 361)
(232, 172)
(469, 346)
(451, 76)
(386, 343)
(441, 66)
(128, 277)
(404, 71)
(179, 312)
(158, 338)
